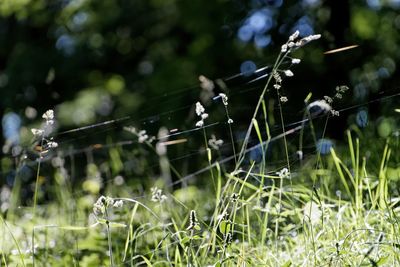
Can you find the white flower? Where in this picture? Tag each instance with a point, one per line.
(284, 173)
(200, 123)
(118, 204)
(142, 136)
(48, 115)
(284, 48)
(157, 195)
(295, 61)
(37, 132)
(52, 144)
(199, 109)
(204, 116)
(224, 99)
(277, 86)
(288, 73)
(230, 121)
(284, 99)
(214, 143)
(308, 39)
(294, 35)
(335, 113)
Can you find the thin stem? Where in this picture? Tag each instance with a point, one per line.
(109, 239)
(37, 178)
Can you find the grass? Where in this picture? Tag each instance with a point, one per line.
(329, 207)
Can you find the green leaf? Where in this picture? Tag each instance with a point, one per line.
(382, 261)
(225, 226)
(185, 240)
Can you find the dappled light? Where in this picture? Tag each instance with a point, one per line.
(193, 133)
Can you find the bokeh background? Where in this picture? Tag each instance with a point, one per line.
(93, 61)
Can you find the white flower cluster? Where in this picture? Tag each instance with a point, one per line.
(294, 43)
(200, 111)
(103, 203)
(49, 120)
(284, 173)
(278, 80)
(141, 135)
(214, 143)
(283, 99)
(46, 144)
(49, 117)
(288, 73)
(225, 102)
(157, 195)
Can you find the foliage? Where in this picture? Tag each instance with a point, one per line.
(253, 168)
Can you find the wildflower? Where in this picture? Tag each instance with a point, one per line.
(118, 204)
(230, 121)
(307, 39)
(284, 99)
(288, 73)
(199, 109)
(142, 136)
(48, 115)
(200, 123)
(99, 207)
(277, 77)
(193, 222)
(284, 48)
(37, 132)
(284, 173)
(295, 61)
(52, 144)
(214, 143)
(157, 195)
(224, 99)
(335, 113)
(294, 36)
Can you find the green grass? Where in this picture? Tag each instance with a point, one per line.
(334, 209)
